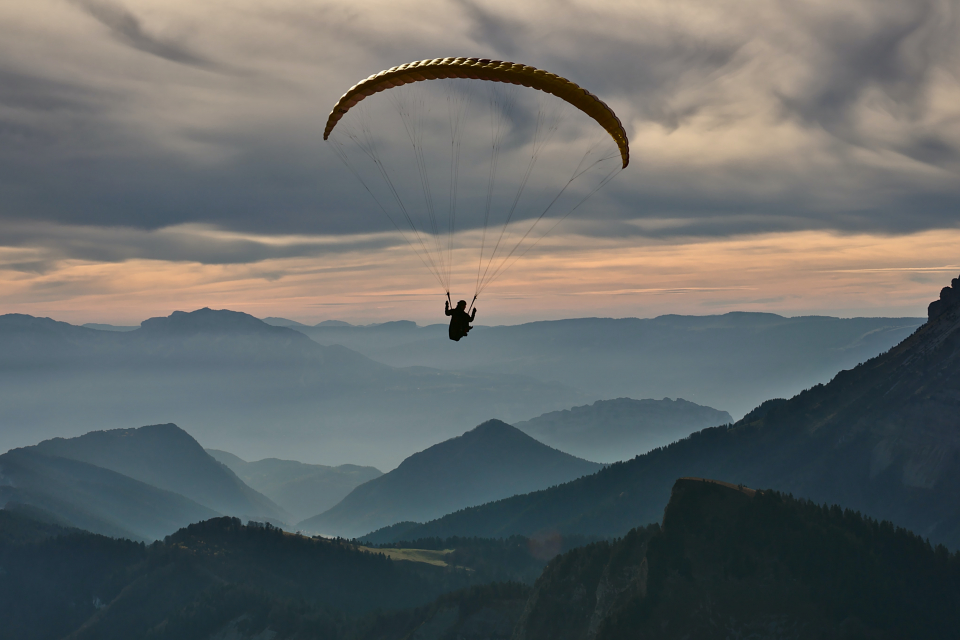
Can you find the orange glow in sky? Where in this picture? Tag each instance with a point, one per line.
(799, 273)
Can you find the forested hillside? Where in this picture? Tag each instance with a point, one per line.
(880, 438)
(731, 562)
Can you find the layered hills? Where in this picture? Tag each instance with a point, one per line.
(303, 490)
(727, 561)
(620, 429)
(733, 361)
(492, 461)
(210, 576)
(238, 383)
(882, 438)
(167, 457)
(92, 498)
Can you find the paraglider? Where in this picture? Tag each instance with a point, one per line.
(460, 320)
(509, 142)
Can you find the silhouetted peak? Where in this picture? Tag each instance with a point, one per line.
(155, 435)
(24, 321)
(208, 320)
(949, 300)
(283, 322)
(395, 325)
(492, 429)
(333, 323)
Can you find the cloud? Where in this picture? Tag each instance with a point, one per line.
(41, 248)
(743, 119)
(126, 27)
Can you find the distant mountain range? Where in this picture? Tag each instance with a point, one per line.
(612, 430)
(492, 461)
(732, 362)
(303, 490)
(231, 379)
(92, 498)
(880, 438)
(141, 484)
(167, 457)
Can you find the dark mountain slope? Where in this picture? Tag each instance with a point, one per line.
(733, 563)
(92, 498)
(883, 438)
(491, 461)
(302, 489)
(206, 577)
(611, 430)
(166, 456)
(732, 362)
(239, 383)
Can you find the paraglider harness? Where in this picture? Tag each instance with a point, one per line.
(460, 320)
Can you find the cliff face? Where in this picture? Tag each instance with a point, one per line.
(949, 300)
(730, 562)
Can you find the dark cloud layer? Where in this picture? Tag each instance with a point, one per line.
(192, 141)
(126, 27)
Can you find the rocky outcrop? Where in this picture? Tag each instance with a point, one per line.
(949, 300)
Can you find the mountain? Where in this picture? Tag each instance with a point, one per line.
(108, 327)
(491, 461)
(211, 576)
(882, 438)
(283, 322)
(167, 457)
(82, 495)
(729, 562)
(620, 429)
(301, 489)
(237, 383)
(726, 562)
(733, 361)
(221, 579)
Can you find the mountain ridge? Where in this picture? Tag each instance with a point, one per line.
(208, 369)
(494, 459)
(882, 438)
(302, 489)
(92, 498)
(619, 429)
(167, 457)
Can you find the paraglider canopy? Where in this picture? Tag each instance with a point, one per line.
(511, 143)
(491, 70)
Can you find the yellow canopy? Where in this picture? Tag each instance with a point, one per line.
(490, 70)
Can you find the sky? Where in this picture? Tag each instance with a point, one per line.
(790, 157)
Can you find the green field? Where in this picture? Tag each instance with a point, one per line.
(426, 556)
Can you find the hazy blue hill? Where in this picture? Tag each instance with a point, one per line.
(880, 438)
(92, 498)
(732, 361)
(729, 563)
(493, 460)
(301, 489)
(283, 322)
(611, 430)
(238, 383)
(380, 338)
(166, 456)
(109, 327)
